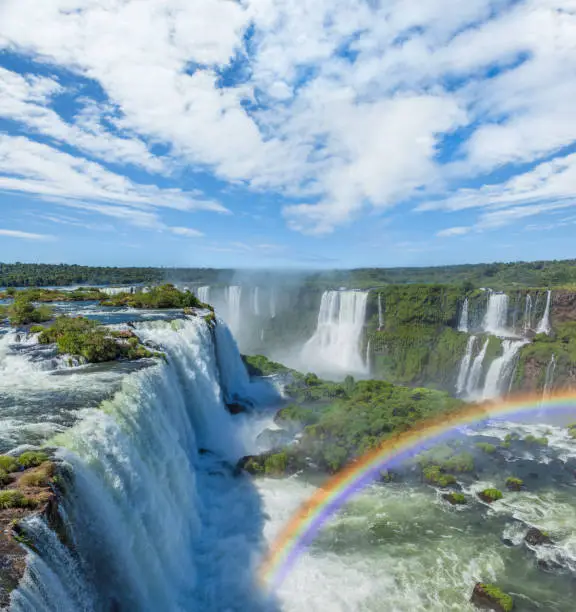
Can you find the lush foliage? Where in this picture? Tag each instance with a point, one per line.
(95, 343)
(514, 484)
(8, 463)
(32, 459)
(164, 296)
(12, 498)
(491, 495)
(488, 448)
(434, 475)
(23, 312)
(530, 439)
(56, 295)
(457, 499)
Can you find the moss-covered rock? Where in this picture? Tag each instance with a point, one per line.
(490, 597)
(486, 447)
(434, 475)
(536, 537)
(490, 495)
(456, 499)
(514, 484)
(272, 465)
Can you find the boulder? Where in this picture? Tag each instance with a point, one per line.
(535, 537)
(489, 597)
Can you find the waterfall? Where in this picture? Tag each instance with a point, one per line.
(380, 314)
(496, 314)
(465, 365)
(463, 325)
(272, 303)
(501, 369)
(528, 314)
(256, 301)
(203, 294)
(335, 346)
(549, 380)
(368, 352)
(476, 371)
(544, 326)
(156, 525)
(233, 303)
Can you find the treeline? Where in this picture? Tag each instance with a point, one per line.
(494, 275)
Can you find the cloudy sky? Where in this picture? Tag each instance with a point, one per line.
(320, 133)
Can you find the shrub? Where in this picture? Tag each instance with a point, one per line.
(39, 477)
(164, 296)
(31, 459)
(12, 498)
(536, 441)
(434, 475)
(8, 464)
(514, 484)
(489, 449)
(5, 478)
(456, 499)
(491, 495)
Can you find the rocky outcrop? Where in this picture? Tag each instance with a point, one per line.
(563, 306)
(535, 537)
(489, 597)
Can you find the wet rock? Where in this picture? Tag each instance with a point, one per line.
(236, 408)
(535, 537)
(489, 597)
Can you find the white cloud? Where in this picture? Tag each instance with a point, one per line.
(341, 136)
(454, 231)
(24, 235)
(187, 232)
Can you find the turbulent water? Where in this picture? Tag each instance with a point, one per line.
(496, 314)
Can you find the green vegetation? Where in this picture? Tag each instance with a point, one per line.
(8, 464)
(12, 498)
(23, 312)
(56, 295)
(434, 475)
(294, 413)
(489, 449)
(165, 296)
(32, 459)
(490, 495)
(95, 343)
(514, 484)
(456, 499)
(274, 465)
(530, 439)
(497, 595)
(258, 365)
(572, 430)
(447, 459)
(38, 477)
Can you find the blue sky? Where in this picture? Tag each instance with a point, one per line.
(323, 133)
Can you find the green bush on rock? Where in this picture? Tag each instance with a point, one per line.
(530, 439)
(490, 495)
(434, 475)
(157, 298)
(488, 596)
(489, 449)
(514, 484)
(456, 499)
(31, 459)
(12, 498)
(8, 464)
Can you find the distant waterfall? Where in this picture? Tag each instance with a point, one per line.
(256, 301)
(496, 314)
(476, 371)
(368, 352)
(203, 294)
(233, 307)
(528, 314)
(549, 380)
(544, 326)
(501, 369)
(380, 314)
(272, 303)
(463, 325)
(335, 346)
(465, 365)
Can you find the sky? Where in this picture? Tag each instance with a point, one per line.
(287, 133)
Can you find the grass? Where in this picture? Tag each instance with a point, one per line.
(38, 477)
(31, 459)
(506, 602)
(12, 498)
(8, 464)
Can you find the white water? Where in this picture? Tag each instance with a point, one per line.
(117, 290)
(463, 324)
(272, 302)
(496, 314)
(157, 526)
(501, 369)
(380, 314)
(475, 373)
(256, 301)
(233, 307)
(204, 294)
(528, 314)
(544, 326)
(549, 380)
(368, 352)
(335, 346)
(465, 365)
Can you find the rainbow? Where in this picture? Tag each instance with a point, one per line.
(301, 530)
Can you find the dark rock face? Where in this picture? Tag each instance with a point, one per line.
(236, 408)
(483, 599)
(535, 537)
(563, 306)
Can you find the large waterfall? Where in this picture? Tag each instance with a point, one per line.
(335, 346)
(500, 370)
(156, 521)
(465, 365)
(496, 314)
(528, 314)
(233, 307)
(463, 324)
(475, 374)
(380, 313)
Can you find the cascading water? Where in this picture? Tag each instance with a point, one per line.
(233, 305)
(148, 513)
(528, 314)
(544, 326)
(203, 294)
(335, 346)
(380, 314)
(496, 314)
(501, 369)
(256, 301)
(475, 373)
(549, 380)
(272, 303)
(368, 353)
(463, 324)
(465, 365)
